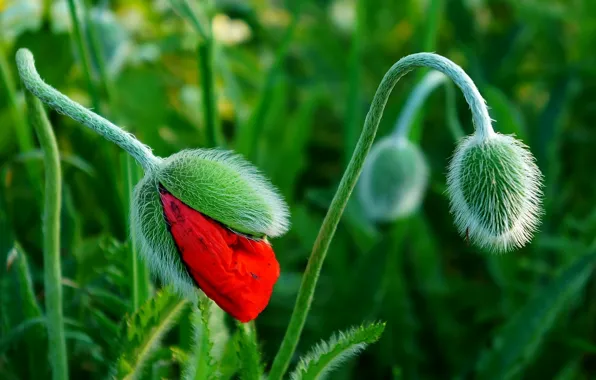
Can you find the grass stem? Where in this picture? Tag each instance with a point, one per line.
(205, 50)
(51, 238)
(83, 54)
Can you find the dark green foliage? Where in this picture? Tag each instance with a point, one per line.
(328, 355)
(142, 332)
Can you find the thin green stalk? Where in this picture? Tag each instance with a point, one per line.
(482, 123)
(232, 89)
(254, 127)
(97, 53)
(432, 17)
(431, 24)
(353, 113)
(139, 280)
(205, 51)
(51, 238)
(62, 104)
(83, 53)
(205, 57)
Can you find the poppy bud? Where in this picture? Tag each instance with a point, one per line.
(495, 191)
(393, 180)
(202, 218)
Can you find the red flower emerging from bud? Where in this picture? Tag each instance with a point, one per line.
(235, 271)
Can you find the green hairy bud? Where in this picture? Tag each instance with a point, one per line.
(225, 187)
(494, 187)
(393, 180)
(216, 183)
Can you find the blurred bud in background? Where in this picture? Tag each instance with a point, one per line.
(393, 180)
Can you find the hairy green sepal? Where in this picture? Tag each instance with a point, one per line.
(495, 190)
(226, 188)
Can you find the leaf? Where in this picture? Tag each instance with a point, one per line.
(142, 332)
(35, 338)
(201, 363)
(251, 367)
(22, 329)
(326, 356)
(519, 340)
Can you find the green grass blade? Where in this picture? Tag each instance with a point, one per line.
(249, 134)
(326, 356)
(143, 331)
(35, 337)
(519, 340)
(79, 41)
(205, 51)
(353, 112)
(139, 273)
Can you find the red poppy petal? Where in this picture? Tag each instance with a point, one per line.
(236, 272)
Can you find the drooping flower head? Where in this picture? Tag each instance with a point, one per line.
(495, 191)
(202, 219)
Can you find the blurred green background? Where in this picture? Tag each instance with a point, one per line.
(293, 85)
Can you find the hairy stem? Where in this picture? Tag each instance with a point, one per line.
(62, 104)
(51, 238)
(483, 127)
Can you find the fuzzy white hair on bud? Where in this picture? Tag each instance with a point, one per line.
(495, 190)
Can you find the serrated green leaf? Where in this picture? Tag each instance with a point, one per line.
(35, 337)
(326, 356)
(249, 354)
(519, 340)
(144, 330)
(200, 364)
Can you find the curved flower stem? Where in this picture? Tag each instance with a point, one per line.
(62, 104)
(51, 238)
(483, 127)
